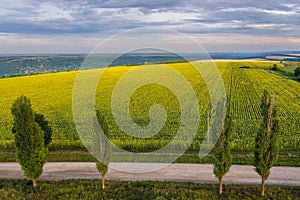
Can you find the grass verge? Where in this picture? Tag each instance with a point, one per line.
(90, 189)
(286, 158)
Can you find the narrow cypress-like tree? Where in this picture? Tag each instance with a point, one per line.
(102, 168)
(222, 152)
(266, 141)
(105, 148)
(29, 139)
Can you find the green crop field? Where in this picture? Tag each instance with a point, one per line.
(51, 94)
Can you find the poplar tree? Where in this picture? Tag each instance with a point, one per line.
(29, 139)
(105, 148)
(44, 125)
(222, 152)
(266, 141)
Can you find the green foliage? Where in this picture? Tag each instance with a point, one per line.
(222, 150)
(102, 168)
(297, 71)
(29, 139)
(104, 147)
(43, 123)
(266, 142)
(274, 67)
(103, 144)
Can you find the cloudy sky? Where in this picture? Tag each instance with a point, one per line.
(77, 26)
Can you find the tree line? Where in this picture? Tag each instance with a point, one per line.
(32, 135)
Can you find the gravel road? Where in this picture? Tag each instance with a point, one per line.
(200, 173)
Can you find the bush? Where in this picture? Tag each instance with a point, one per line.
(244, 67)
(274, 67)
(297, 71)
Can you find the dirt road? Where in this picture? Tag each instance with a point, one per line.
(201, 173)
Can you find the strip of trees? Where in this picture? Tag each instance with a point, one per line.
(266, 144)
(33, 135)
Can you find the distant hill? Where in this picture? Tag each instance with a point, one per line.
(15, 65)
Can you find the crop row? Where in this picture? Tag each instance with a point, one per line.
(51, 94)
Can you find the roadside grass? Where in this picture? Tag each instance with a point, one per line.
(286, 158)
(91, 189)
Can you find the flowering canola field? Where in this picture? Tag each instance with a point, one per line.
(51, 94)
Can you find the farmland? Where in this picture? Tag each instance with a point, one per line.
(51, 94)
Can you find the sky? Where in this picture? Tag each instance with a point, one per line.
(77, 26)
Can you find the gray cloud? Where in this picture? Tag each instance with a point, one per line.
(262, 17)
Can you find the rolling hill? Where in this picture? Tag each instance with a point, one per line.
(51, 94)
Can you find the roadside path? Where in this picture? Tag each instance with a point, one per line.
(200, 173)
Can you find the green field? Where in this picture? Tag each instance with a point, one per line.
(51, 94)
(287, 69)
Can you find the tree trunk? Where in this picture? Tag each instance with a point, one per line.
(221, 186)
(103, 182)
(263, 187)
(34, 183)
